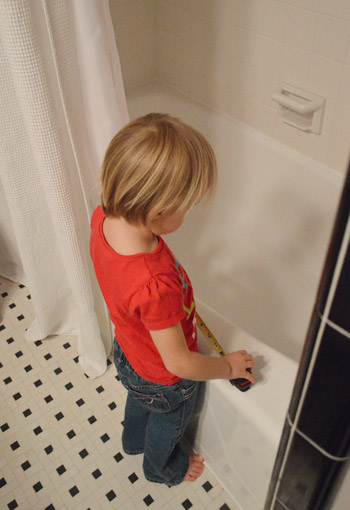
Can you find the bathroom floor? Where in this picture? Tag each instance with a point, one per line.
(60, 431)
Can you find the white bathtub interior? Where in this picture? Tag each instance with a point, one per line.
(254, 257)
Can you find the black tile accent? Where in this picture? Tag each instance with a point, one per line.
(84, 453)
(38, 383)
(14, 446)
(61, 469)
(112, 406)
(20, 317)
(28, 368)
(19, 354)
(118, 457)
(74, 491)
(69, 386)
(4, 427)
(325, 414)
(307, 477)
(48, 399)
(133, 477)
(187, 504)
(48, 449)
(12, 305)
(80, 402)
(96, 474)
(340, 313)
(71, 434)
(278, 461)
(225, 507)
(59, 416)
(92, 420)
(100, 389)
(207, 486)
(66, 345)
(37, 430)
(26, 465)
(2, 483)
(17, 396)
(38, 486)
(48, 356)
(38, 343)
(9, 340)
(105, 438)
(334, 245)
(8, 380)
(12, 505)
(58, 371)
(27, 413)
(111, 495)
(148, 500)
(306, 356)
(278, 506)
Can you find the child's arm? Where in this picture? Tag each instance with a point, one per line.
(180, 361)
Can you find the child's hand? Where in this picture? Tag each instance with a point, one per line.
(239, 361)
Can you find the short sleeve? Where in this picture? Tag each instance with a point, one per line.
(158, 303)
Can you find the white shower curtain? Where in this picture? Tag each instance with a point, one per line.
(62, 100)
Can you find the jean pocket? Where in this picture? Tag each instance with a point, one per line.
(154, 402)
(188, 388)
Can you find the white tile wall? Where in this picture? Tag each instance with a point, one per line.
(231, 54)
(133, 22)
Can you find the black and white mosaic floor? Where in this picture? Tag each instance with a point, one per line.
(60, 431)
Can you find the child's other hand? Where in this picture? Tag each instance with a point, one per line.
(239, 361)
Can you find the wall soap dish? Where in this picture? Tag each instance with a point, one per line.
(300, 108)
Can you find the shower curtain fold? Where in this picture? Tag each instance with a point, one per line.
(62, 100)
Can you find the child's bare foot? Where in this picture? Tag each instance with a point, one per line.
(195, 467)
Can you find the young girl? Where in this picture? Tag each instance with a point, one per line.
(155, 169)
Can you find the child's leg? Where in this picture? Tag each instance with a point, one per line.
(135, 422)
(164, 460)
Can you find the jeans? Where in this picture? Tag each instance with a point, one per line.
(155, 420)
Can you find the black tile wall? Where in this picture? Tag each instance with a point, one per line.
(306, 356)
(325, 415)
(334, 246)
(307, 478)
(340, 309)
(315, 441)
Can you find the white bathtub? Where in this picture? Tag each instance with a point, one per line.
(254, 257)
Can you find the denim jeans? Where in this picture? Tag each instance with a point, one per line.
(155, 420)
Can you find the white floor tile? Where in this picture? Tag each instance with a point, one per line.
(61, 432)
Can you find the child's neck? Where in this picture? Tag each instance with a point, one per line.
(128, 239)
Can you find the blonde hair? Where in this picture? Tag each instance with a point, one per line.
(158, 163)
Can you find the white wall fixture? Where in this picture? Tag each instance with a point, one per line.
(300, 108)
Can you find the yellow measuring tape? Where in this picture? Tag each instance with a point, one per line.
(209, 335)
(241, 384)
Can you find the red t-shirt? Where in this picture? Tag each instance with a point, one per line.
(146, 291)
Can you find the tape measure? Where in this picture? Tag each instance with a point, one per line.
(240, 383)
